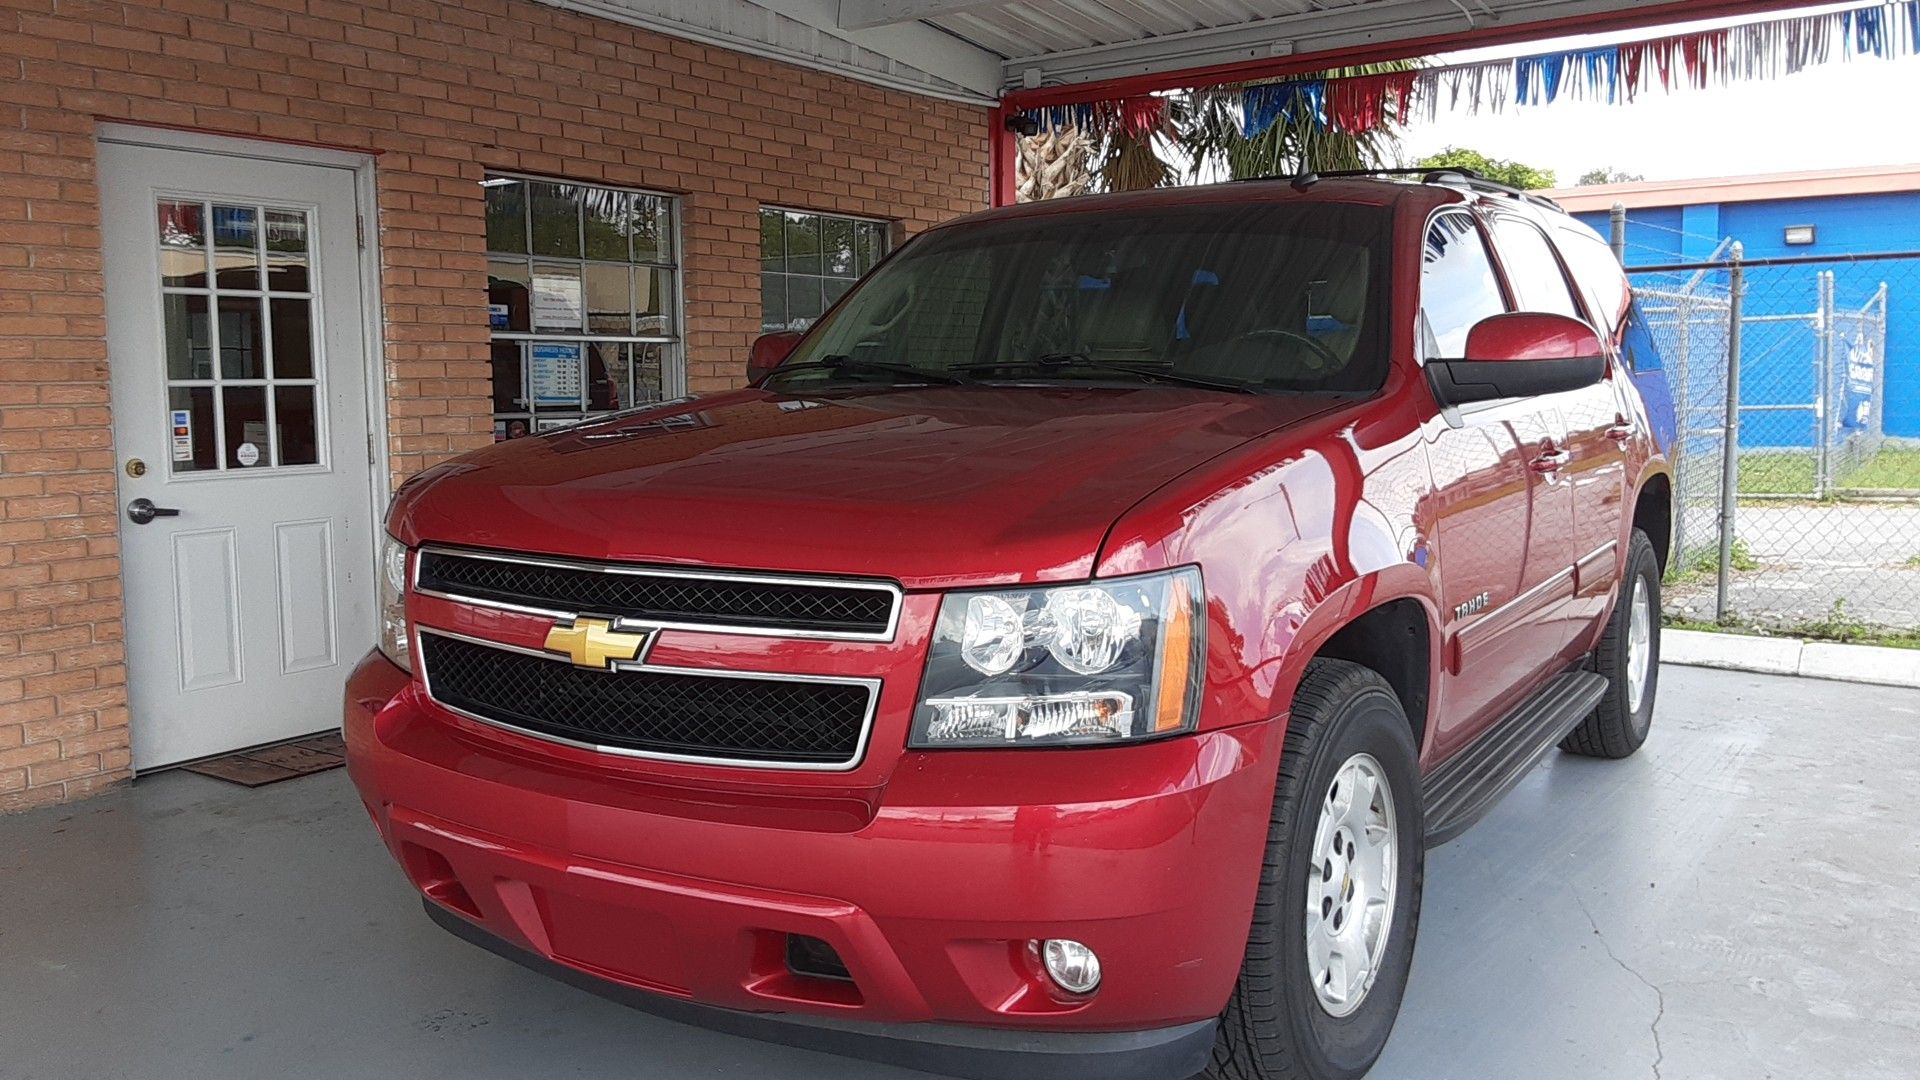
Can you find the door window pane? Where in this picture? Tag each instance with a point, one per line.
(807, 261)
(287, 250)
(244, 415)
(183, 244)
(555, 211)
(243, 352)
(1593, 264)
(197, 444)
(1457, 285)
(292, 337)
(1533, 273)
(293, 414)
(236, 247)
(189, 346)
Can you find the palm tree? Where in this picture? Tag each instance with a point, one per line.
(1053, 163)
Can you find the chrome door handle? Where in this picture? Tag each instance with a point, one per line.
(1551, 461)
(1620, 432)
(141, 511)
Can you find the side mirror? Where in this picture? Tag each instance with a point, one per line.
(768, 351)
(1523, 354)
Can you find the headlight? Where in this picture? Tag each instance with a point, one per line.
(393, 602)
(1077, 664)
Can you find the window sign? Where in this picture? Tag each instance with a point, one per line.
(1856, 410)
(556, 298)
(555, 373)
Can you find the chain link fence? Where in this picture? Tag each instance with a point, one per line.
(1820, 529)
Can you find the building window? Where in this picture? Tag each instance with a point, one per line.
(582, 301)
(809, 260)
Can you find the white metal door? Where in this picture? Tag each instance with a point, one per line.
(236, 348)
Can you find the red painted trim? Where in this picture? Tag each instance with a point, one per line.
(1001, 154)
(1630, 17)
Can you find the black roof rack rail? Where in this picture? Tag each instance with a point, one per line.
(1428, 175)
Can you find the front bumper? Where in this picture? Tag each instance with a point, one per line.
(683, 882)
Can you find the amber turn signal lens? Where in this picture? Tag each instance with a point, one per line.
(1176, 659)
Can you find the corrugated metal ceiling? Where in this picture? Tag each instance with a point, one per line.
(978, 49)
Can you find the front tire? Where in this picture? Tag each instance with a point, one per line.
(1629, 658)
(1333, 927)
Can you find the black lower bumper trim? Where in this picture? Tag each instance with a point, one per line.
(1174, 1053)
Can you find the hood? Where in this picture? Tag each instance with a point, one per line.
(931, 487)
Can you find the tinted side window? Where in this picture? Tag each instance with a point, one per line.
(1532, 271)
(1457, 285)
(1598, 273)
(1636, 342)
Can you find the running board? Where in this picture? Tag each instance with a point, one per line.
(1473, 780)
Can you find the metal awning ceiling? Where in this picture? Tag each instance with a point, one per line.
(1074, 41)
(980, 50)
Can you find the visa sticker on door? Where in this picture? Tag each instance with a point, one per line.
(182, 435)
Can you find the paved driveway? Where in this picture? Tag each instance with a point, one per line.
(1742, 900)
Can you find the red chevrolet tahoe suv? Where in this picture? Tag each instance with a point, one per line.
(1058, 661)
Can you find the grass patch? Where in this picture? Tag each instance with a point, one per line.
(1776, 473)
(1705, 563)
(1890, 469)
(1912, 563)
(1790, 472)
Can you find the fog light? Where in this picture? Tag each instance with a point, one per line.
(1071, 965)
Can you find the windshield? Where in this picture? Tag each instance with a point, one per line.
(1262, 297)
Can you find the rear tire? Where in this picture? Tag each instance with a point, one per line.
(1629, 658)
(1299, 1012)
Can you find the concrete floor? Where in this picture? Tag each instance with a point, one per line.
(1742, 900)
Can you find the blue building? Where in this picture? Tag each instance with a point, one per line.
(1836, 213)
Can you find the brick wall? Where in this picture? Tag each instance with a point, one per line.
(442, 90)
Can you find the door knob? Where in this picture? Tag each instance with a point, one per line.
(141, 511)
(1551, 461)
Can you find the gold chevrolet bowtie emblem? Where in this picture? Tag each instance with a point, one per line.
(594, 643)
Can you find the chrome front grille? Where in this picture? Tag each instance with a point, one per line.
(664, 597)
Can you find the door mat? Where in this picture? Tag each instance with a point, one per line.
(272, 764)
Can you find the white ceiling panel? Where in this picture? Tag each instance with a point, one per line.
(975, 50)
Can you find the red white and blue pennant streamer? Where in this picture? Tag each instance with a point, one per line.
(1616, 74)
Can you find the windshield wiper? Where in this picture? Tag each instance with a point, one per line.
(1081, 361)
(840, 362)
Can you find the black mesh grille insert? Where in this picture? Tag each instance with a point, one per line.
(733, 717)
(717, 601)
